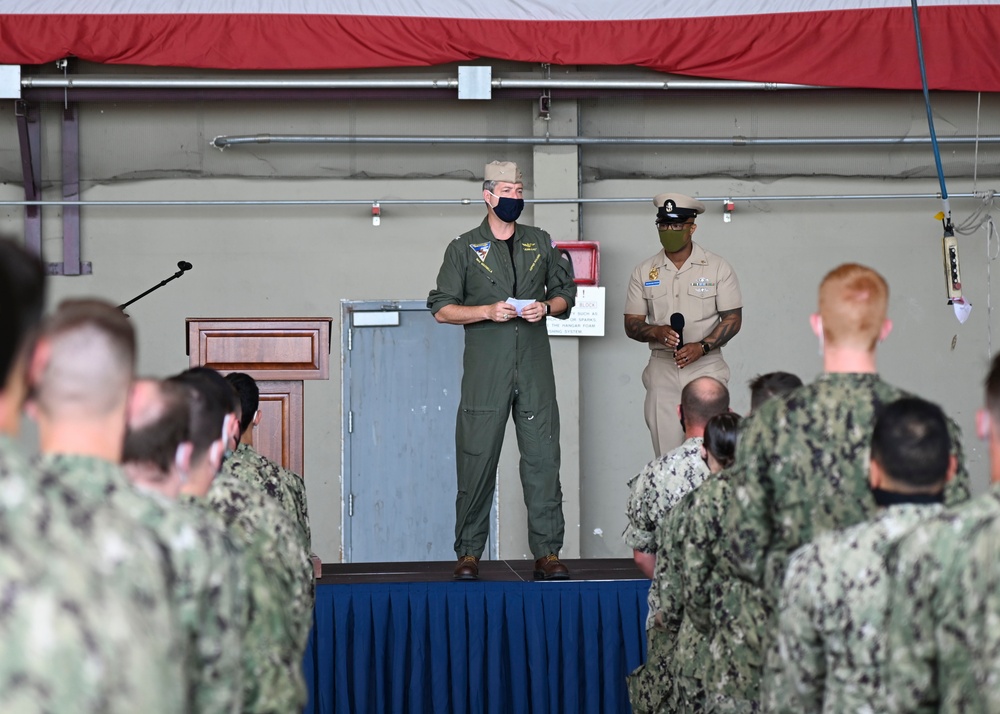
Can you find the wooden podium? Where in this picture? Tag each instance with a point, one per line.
(280, 353)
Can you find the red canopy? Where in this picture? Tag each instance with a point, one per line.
(836, 43)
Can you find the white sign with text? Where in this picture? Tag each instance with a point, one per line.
(587, 318)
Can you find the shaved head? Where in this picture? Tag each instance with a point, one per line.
(85, 360)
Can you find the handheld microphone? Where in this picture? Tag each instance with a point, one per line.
(184, 265)
(677, 325)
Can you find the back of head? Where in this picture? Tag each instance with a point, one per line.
(910, 442)
(85, 359)
(853, 303)
(22, 299)
(249, 393)
(772, 384)
(159, 421)
(721, 434)
(702, 399)
(210, 399)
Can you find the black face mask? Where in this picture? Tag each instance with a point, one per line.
(892, 498)
(508, 209)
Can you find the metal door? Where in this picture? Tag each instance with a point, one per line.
(402, 379)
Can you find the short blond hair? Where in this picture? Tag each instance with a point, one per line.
(853, 303)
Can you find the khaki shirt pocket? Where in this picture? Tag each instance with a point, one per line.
(702, 297)
(658, 303)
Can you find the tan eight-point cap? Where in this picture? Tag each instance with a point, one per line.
(503, 171)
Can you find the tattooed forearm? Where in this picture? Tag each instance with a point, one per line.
(637, 328)
(730, 322)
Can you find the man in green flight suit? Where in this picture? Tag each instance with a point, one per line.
(500, 281)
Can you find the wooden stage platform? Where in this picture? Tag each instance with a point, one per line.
(489, 571)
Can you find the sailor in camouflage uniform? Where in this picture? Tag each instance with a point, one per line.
(725, 608)
(76, 637)
(831, 647)
(72, 638)
(661, 484)
(82, 376)
(685, 677)
(944, 612)
(278, 566)
(285, 486)
(804, 457)
(211, 582)
(722, 609)
(283, 589)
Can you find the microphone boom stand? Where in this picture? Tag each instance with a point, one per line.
(184, 267)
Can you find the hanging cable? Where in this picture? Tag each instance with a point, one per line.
(977, 218)
(953, 277)
(991, 255)
(930, 119)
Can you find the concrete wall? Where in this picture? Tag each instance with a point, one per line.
(302, 261)
(781, 250)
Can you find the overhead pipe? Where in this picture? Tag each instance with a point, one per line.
(260, 83)
(223, 142)
(469, 201)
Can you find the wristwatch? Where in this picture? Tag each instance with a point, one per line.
(705, 347)
(547, 309)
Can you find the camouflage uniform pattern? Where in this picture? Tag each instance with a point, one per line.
(287, 487)
(805, 461)
(281, 594)
(830, 654)
(208, 586)
(944, 613)
(86, 625)
(211, 592)
(683, 679)
(716, 615)
(647, 691)
(661, 484)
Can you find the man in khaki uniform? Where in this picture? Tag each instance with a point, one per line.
(698, 293)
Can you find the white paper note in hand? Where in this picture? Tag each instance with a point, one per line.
(519, 305)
